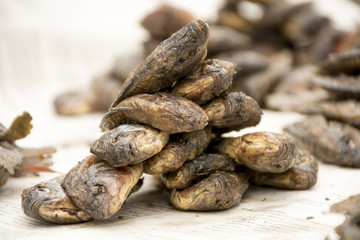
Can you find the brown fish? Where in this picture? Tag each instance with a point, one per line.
(331, 141)
(223, 38)
(162, 111)
(129, 144)
(218, 191)
(181, 148)
(166, 20)
(211, 79)
(302, 175)
(98, 188)
(261, 151)
(48, 201)
(233, 111)
(173, 58)
(200, 167)
(75, 103)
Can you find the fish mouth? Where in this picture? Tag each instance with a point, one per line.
(203, 27)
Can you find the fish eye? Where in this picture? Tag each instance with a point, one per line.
(43, 189)
(98, 189)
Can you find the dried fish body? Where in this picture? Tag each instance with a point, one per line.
(4, 175)
(350, 230)
(129, 144)
(331, 141)
(234, 111)
(98, 188)
(234, 20)
(222, 38)
(166, 20)
(259, 85)
(246, 62)
(198, 168)
(302, 175)
(212, 78)
(173, 58)
(339, 74)
(123, 66)
(261, 151)
(219, 191)
(75, 103)
(350, 206)
(162, 111)
(181, 148)
(296, 91)
(105, 89)
(48, 201)
(347, 111)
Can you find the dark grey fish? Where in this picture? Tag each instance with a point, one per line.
(98, 188)
(129, 144)
(173, 58)
(218, 191)
(48, 201)
(162, 111)
(330, 141)
(198, 168)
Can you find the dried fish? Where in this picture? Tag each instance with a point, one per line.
(296, 91)
(166, 20)
(234, 111)
(105, 89)
(331, 141)
(211, 79)
(196, 169)
(98, 188)
(48, 201)
(222, 38)
(162, 111)
(347, 111)
(349, 206)
(172, 59)
(246, 62)
(75, 103)
(123, 66)
(219, 191)
(350, 229)
(302, 175)
(261, 151)
(339, 74)
(181, 147)
(129, 144)
(259, 85)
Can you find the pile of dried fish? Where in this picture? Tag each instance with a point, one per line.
(350, 229)
(333, 134)
(165, 116)
(18, 161)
